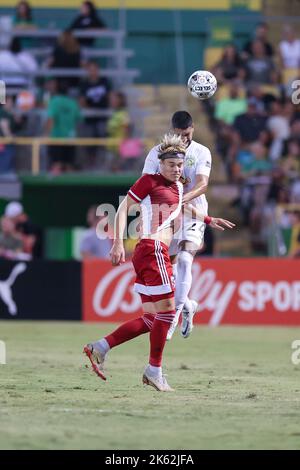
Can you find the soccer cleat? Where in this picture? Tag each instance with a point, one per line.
(173, 326)
(97, 359)
(158, 382)
(187, 319)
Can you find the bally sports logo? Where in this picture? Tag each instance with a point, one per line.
(227, 291)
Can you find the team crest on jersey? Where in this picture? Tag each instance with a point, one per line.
(190, 162)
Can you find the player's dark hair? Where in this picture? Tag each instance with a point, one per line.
(181, 120)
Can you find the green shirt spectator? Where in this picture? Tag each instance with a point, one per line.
(65, 115)
(228, 109)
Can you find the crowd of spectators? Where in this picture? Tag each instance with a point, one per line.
(256, 121)
(70, 106)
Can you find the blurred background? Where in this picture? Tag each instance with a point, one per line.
(90, 88)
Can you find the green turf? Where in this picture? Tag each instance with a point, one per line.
(236, 388)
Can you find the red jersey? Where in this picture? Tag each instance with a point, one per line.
(160, 201)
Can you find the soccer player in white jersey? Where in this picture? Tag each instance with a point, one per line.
(185, 245)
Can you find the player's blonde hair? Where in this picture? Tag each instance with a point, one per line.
(171, 144)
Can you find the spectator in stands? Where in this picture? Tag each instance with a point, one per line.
(294, 123)
(249, 125)
(278, 125)
(88, 19)
(289, 49)
(262, 100)
(63, 116)
(230, 65)
(261, 33)
(290, 163)
(23, 15)
(45, 93)
(259, 68)
(10, 240)
(228, 108)
(66, 54)
(15, 60)
(253, 171)
(28, 232)
(295, 191)
(94, 97)
(118, 126)
(91, 245)
(247, 128)
(9, 125)
(252, 162)
(278, 192)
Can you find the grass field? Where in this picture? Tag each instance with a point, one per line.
(236, 388)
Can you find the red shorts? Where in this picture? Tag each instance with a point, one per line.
(154, 273)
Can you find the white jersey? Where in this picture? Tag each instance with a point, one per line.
(197, 162)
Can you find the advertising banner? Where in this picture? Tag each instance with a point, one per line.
(40, 290)
(229, 291)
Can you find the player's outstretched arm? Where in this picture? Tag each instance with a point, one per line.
(214, 222)
(219, 224)
(117, 253)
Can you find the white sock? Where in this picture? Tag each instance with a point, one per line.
(102, 345)
(184, 278)
(154, 371)
(174, 267)
(188, 304)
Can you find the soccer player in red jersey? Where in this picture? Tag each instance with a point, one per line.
(160, 200)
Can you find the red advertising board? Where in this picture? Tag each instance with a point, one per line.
(229, 291)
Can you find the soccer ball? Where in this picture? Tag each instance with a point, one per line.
(202, 84)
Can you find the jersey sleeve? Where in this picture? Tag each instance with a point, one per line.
(204, 163)
(151, 165)
(141, 188)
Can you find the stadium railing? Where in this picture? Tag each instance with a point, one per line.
(37, 142)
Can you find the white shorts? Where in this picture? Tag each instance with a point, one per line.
(192, 231)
